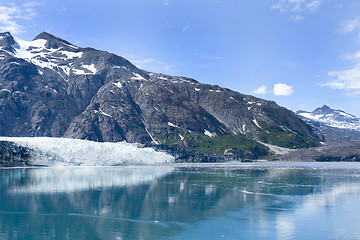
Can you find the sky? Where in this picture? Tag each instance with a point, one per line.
(301, 54)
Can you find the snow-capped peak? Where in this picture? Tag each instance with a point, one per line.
(332, 118)
(37, 52)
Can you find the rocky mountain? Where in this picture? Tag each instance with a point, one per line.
(336, 126)
(50, 87)
(332, 118)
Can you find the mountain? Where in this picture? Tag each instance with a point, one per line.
(336, 126)
(332, 118)
(50, 87)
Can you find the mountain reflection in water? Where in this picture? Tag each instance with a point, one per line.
(159, 202)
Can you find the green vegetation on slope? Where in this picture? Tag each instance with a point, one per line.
(286, 139)
(238, 145)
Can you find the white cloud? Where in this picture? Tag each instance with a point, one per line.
(297, 18)
(7, 22)
(32, 4)
(350, 26)
(150, 64)
(260, 90)
(298, 6)
(9, 16)
(314, 5)
(166, 3)
(348, 79)
(282, 89)
(167, 67)
(185, 28)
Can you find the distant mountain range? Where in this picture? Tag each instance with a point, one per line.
(332, 118)
(50, 87)
(336, 126)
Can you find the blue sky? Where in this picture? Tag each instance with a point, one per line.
(300, 53)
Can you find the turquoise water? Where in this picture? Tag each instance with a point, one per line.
(233, 201)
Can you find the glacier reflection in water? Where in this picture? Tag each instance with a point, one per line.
(70, 179)
(246, 201)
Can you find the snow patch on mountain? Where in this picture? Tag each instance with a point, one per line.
(118, 84)
(90, 70)
(137, 77)
(209, 134)
(172, 125)
(36, 52)
(256, 123)
(90, 67)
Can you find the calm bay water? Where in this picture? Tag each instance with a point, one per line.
(222, 201)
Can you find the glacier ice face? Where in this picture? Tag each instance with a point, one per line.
(75, 152)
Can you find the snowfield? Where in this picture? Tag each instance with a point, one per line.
(75, 152)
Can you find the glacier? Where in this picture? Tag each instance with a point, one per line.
(75, 152)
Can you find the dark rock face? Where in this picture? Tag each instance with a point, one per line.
(60, 90)
(12, 155)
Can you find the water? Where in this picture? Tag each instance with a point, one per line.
(214, 201)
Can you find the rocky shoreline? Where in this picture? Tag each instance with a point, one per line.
(346, 152)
